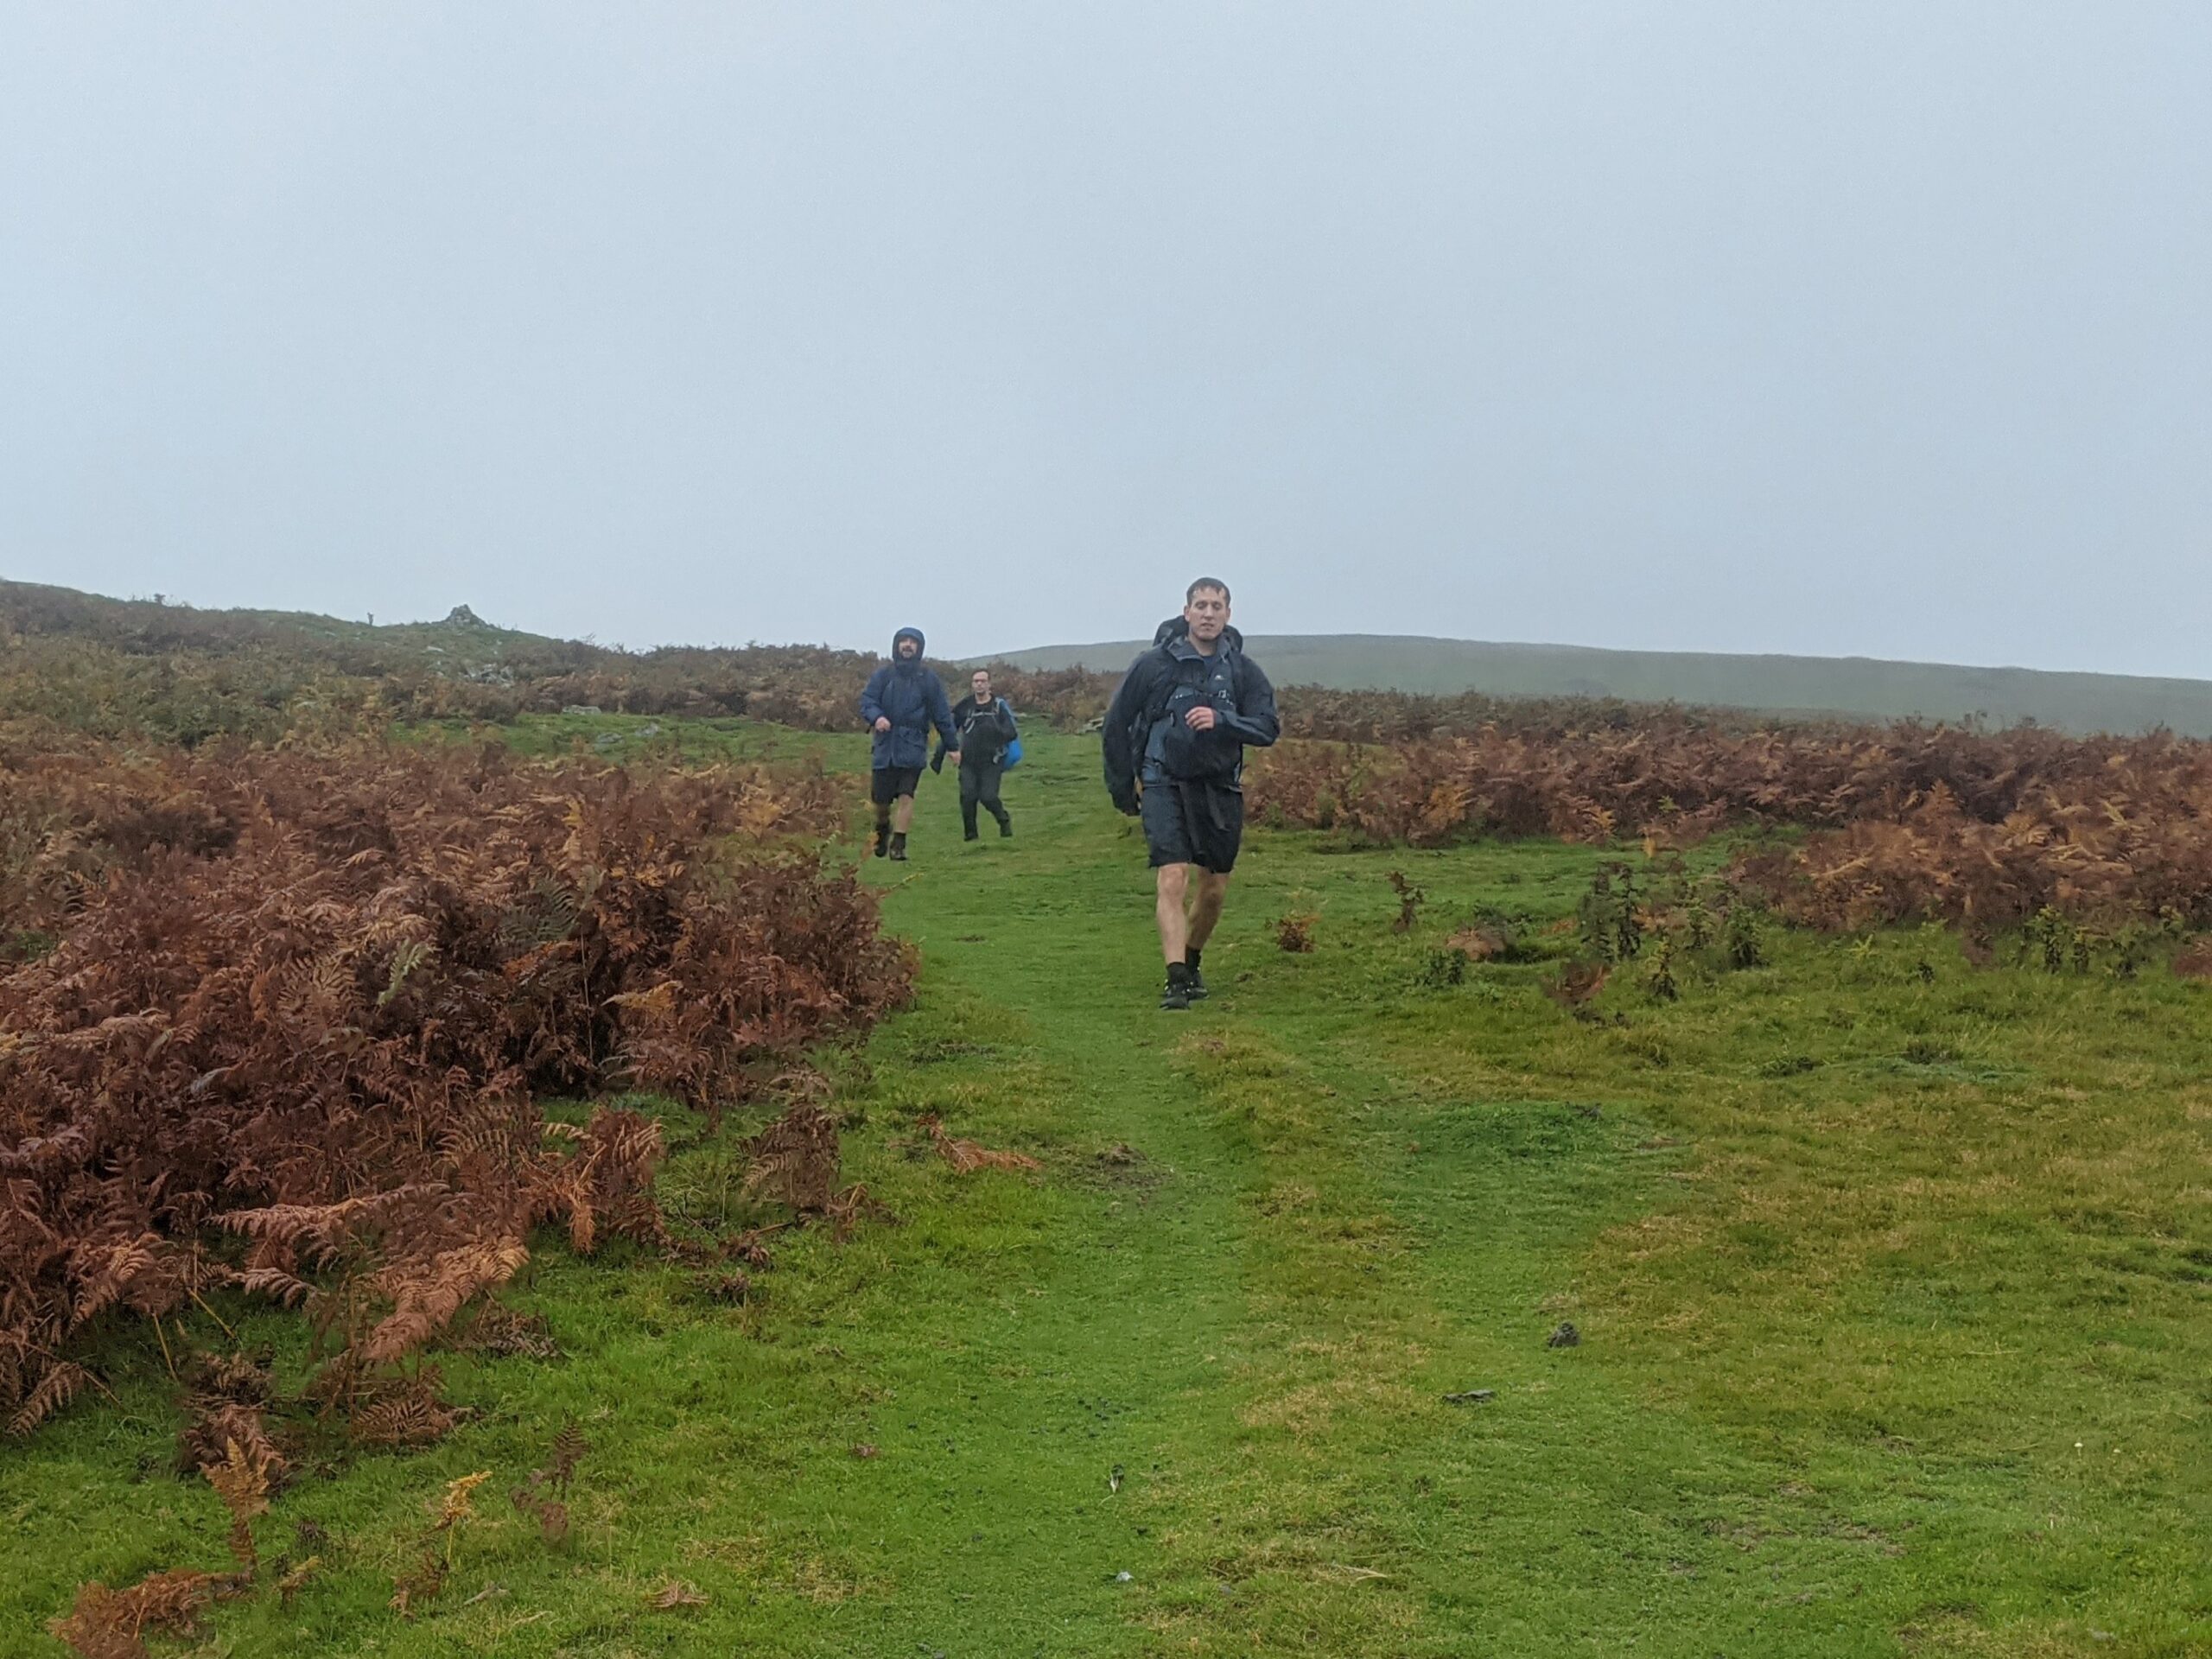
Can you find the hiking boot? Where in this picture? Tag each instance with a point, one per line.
(899, 848)
(1178, 993)
(1198, 983)
(882, 839)
(1005, 828)
(970, 835)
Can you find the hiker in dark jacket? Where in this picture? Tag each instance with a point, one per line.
(986, 727)
(1175, 743)
(902, 702)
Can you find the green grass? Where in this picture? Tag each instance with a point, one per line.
(1893, 1293)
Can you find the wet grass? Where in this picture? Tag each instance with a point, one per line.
(1891, 1275)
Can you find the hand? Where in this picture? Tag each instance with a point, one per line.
(1200, 719)
(954, 757)
(883, 722)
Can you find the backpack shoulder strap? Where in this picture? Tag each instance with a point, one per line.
(1241, 673)
(1161, 687)
(1170, 680)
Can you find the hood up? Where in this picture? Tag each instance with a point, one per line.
(921, 645)
(1176, 626)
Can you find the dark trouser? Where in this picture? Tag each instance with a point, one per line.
(980, 783)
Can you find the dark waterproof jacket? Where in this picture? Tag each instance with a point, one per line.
(1146, 735)
(912, 698)
(984, 733)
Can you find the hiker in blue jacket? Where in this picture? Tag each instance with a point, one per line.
(1175, 743)
(902, 702)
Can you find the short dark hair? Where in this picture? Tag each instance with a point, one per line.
(1214, 582)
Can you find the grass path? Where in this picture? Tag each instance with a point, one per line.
(1269, 1238)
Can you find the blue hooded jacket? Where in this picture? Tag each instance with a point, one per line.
(912, 699)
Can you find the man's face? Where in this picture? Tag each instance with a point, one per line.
(908, 650)
(981, 686)
(1207, 612)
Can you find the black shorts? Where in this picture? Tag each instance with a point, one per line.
(1193, 824)
(887, 784)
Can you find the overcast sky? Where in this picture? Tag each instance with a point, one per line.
(1854, 328)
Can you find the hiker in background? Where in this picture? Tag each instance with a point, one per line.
(902, 702)
(1175, 748)
(987, 732)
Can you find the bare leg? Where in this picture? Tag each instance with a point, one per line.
(1173, 882)
(1205, 908)
(902, 818)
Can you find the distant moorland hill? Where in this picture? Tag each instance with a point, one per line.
(1862, 687)
(88, 659)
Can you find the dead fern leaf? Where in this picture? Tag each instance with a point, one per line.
(795, 1160)
(61, 1383)
(422, 1583)
(967, 1156)
(750, 1246)
(108, 1623)
(221, 1048)
(847, 1208)
(1477, 944)
(458, 1506)
(496, 1329)
(215, 1424)
(274, 1283)
(570, 1449)
(241, 1480)
(425, 1295)
(659, 1002)
(410, 1419)
(552, 1520)
(296, 1580)
(678, 1593)
(1577, 983)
